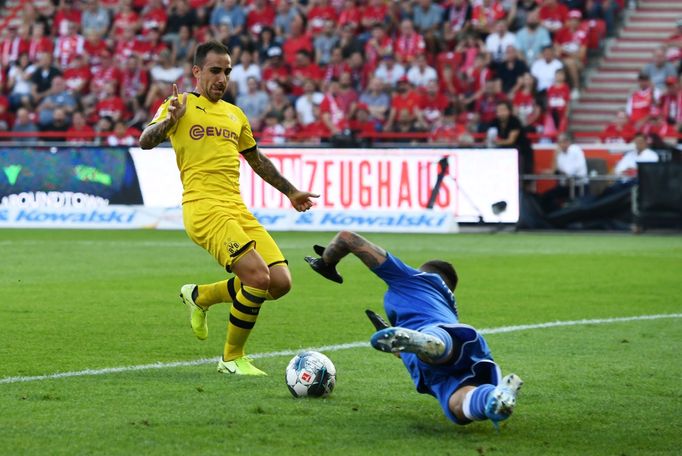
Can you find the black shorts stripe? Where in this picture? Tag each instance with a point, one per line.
(252, 298)
(241, 323)
(248, 310)
(237, 253)
(278, 262)
(242, 249)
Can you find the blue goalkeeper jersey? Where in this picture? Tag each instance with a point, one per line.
(417, 300)
(414, 298)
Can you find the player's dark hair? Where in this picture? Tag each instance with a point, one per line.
(444, 269)
(204, 48)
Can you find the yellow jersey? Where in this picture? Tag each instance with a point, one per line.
(207, 141)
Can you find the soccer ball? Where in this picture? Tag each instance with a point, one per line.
(310, 373)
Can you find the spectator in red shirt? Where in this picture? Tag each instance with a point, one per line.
(347, 95)
(350, 14)
(5, 118)
(448, 130)
(134, 83)
(433, 104)
(333, 115)
(571, 42)
(125, 19)
(275, 71)
(657, 125)
(95, 48)
(273, 132)
(122, 135)
(292, 126)
(619, 131)
(405, 99)
(151, 45)
(526, 106)
(39, 42)
(671, 102)
(105, 74)
(641, 101)
(66, 12)
(69, 45)
(485, 14)
(304, 69)
(8, 51)
(296, 41)
(77, 76)
(558, 99)
(458, 15)
(553, 15)
(361, 124)
(79, 132)
(375, 12)
(261, 14)
(319, 12)
(315, 131)
(126, 46)
(111, 105)
(154, 15)
(477, 77)
(336, 66)
(20, 43)
(409, 43)
(359, 72)
(378, 44)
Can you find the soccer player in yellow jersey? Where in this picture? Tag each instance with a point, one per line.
(208, 135)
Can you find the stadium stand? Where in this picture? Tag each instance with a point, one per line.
(333, 61)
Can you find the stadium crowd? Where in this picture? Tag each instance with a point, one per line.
(305, 70)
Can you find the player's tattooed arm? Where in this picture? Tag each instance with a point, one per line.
(155, 134)
(267, 171)
(301, 201)
(346, 242)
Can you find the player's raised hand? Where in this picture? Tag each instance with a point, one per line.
(302, 200)
(176, 108)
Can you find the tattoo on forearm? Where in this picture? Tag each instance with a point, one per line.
(155, 134)
(346, 242)
(267, 171)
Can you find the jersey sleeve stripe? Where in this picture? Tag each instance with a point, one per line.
(250, 149)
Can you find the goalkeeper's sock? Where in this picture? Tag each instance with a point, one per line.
(243, 315)
(475, 401)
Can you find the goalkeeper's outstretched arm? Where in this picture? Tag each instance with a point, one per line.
(346, 242)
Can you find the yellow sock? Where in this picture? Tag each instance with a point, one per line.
(212, 293)
(243, 315)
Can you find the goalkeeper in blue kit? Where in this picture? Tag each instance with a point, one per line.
(446, 359)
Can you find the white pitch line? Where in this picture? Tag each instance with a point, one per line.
(325, 348)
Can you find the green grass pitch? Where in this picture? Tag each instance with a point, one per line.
(76, 300)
